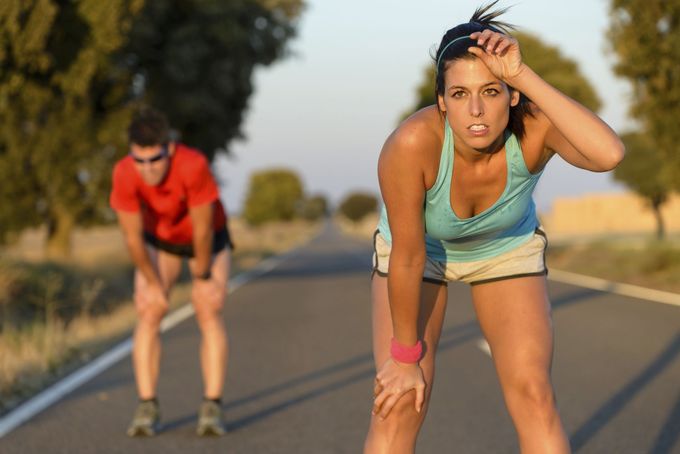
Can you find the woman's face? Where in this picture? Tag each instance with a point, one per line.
(476, 103)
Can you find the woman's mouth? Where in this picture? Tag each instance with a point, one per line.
(478, 129)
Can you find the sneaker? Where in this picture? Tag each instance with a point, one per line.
(145, 421)
(210, 420)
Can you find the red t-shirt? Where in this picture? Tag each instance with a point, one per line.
(165, 208)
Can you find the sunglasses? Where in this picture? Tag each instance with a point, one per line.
(155, 158)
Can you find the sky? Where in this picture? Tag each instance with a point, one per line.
(325, 110)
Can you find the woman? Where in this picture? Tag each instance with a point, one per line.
(456, 181)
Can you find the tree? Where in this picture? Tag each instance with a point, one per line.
(63, 107)
(357, 205)
(546, 60)
(273, 195)
(194, 59)
(640, 172)
(645, 38)
(313, 208)
(71, 72)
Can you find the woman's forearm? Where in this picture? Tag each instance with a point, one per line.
(403, 286)
(584, 130)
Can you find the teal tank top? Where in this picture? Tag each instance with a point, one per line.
(508, 223)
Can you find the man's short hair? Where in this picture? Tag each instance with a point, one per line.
(149, 127)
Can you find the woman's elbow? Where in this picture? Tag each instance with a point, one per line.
(407, 258)
(612, 157)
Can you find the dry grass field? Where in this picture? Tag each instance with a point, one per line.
(55, 316)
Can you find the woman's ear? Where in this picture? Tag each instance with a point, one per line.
(440, 103)
(514, 97)
(171, 148)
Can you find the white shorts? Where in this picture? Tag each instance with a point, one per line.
(527, 259)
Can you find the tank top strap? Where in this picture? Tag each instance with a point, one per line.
(513, 152)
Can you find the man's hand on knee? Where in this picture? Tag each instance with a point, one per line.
(152, 299)
(208, 292)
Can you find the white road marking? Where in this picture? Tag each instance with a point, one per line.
(49, 396)
(595, 283)
(484, 346)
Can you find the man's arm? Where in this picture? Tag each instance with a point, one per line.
(202, 226)
(131, 225)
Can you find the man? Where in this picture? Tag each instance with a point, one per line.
(168, 208)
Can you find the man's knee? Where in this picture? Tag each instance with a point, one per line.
(210, 309)
(149, 311)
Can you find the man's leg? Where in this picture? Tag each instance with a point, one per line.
(208, 299)
(146, 350)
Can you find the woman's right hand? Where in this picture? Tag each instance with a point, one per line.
(393, 380)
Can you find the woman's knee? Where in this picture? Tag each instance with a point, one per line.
(534, 391)
(403, 415)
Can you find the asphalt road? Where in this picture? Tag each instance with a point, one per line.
(300, 374)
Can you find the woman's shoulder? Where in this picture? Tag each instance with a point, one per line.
(422, 133)
(536, 126)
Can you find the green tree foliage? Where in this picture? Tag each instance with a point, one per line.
(645, 38)
(357, 205)
(62, 111)
(314, 208)
(640, 172)
(71, 71)
(546, 60)
(195, 59)
(273, 195)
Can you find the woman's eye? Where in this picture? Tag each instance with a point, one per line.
(458, 94)
(491, 91)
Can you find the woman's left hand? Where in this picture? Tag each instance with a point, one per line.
(500, 53)
(393, 380)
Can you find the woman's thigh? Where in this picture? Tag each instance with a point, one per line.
(515, 317)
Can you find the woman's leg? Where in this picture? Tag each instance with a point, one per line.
(514, 315)
(397, 433)
(146, 351)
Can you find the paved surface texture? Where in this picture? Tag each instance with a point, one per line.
(300, 374)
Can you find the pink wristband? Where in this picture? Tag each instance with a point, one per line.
(405, 354)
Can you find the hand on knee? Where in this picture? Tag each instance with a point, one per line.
(150, 310)
(209, 294)
(403, 410)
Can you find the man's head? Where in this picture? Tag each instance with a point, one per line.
(150, 146)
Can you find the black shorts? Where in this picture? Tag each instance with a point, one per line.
(221, 240)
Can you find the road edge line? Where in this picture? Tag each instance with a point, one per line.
(595, 283)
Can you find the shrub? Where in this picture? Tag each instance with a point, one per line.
(273, 195)
(357, 205)
(314, 208)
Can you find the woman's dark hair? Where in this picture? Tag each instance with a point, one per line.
(484, 18)
(149, 127)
